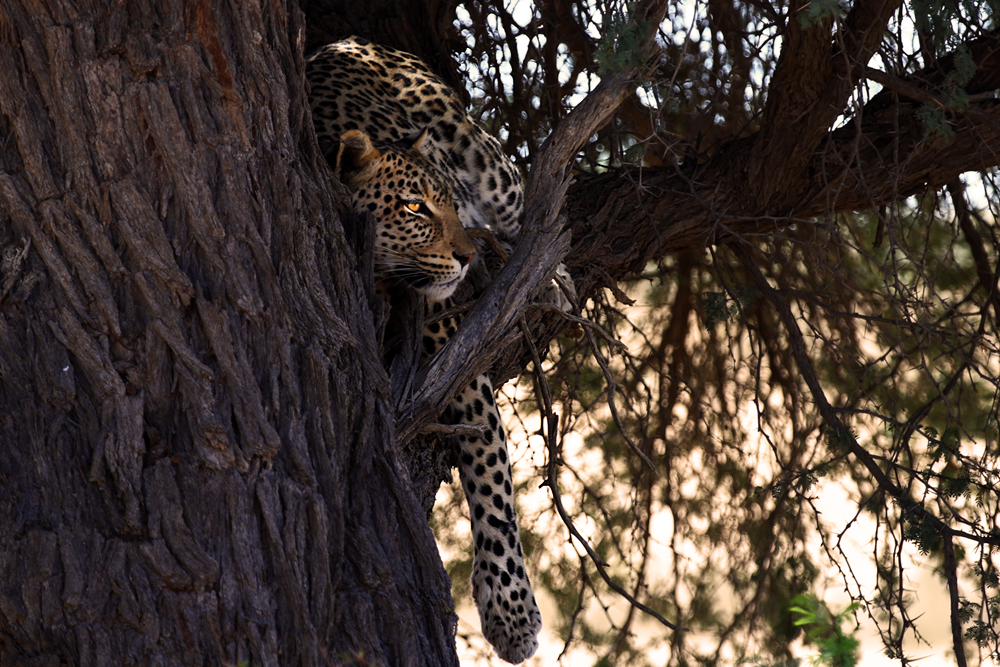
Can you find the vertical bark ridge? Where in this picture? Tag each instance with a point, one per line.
(196, 443)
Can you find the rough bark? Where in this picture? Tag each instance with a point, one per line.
(196, 450)
(197, 437)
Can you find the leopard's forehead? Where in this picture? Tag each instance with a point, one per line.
(403, 171)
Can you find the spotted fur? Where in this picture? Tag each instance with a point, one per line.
(370, 101)
(391, 95)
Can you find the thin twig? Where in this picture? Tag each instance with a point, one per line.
(910, 91)
(829, 414)
(583, 322)
(576, 612)
(460, 309)
(950, 568)
(491, 241)
(552, 482)
(612, 387)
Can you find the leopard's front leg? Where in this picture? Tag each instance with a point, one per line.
(508, 614)
(507, 610)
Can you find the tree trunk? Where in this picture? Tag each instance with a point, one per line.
(198, 441)
(198, 461)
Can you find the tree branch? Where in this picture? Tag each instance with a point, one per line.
(552, 482)
(660, 210)
(623, 219)
(815, 75)
(829, 414)
(542, 246)
(951, 572)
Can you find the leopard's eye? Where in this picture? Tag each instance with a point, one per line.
(419, 208)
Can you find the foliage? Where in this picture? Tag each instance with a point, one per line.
(618, 48)
(896, 313)
(819, 10)
(823, 629)
(719, 307)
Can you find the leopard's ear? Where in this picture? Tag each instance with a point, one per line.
(355, 155)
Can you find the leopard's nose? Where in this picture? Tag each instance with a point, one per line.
(463, 257)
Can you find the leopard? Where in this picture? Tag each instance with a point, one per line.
(404, 145)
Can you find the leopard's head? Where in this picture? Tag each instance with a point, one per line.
(418, 236)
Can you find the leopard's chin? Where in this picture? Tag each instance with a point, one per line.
(439, 291)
